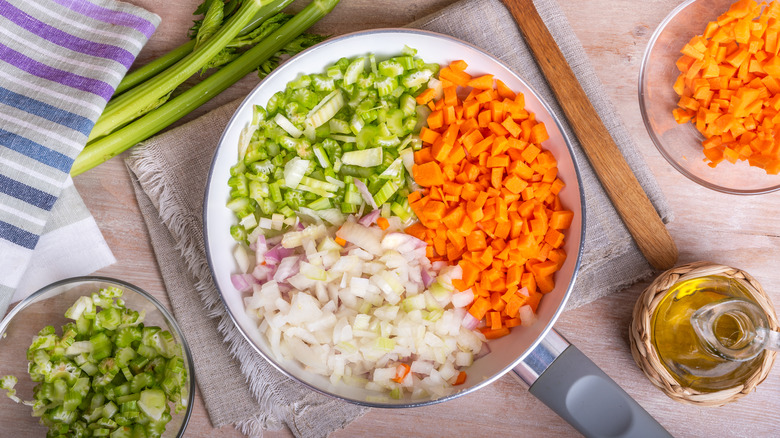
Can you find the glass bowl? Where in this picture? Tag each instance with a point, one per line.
(47, 307)
(681, 144)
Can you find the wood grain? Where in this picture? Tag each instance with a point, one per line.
(736, 231)
(628, 197)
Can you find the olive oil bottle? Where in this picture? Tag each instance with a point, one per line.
(709, 333)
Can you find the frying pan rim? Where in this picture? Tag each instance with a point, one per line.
(549, 324)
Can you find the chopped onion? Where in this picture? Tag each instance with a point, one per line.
(370, 218)
(259, 246)
(463, 299)
(287, 268)
(527, 316)
(365, 193)
(470, 322)
(355, 313)
(243, 282)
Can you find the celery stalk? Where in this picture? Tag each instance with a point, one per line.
(160, 118)
(131, 104)
(158, 65)
(153, 68)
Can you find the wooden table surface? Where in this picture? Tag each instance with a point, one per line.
(736, 231)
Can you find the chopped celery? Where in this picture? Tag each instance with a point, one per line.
(352, 119)
(365, 158)
(107, 375)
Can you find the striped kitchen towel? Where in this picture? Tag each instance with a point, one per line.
(60, 61)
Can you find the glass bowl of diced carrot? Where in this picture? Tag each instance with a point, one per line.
(709, 92)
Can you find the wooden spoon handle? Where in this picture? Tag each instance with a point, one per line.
(619, 181)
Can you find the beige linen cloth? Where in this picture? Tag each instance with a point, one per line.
(170, 172)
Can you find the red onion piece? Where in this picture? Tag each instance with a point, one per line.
(288, 267)
(273, 241)
(259, 246)
(365, 193)
(370, 218)
(261, 272)
(243, 282)
(276, 254)
(469, 322)
(426, 277)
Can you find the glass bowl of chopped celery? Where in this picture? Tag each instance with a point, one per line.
(690, 98)
(94, 356)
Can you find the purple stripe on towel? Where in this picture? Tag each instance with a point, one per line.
(109, 15)
(63, 77)
(64, 39)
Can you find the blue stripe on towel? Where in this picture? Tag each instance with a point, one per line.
(44, 110)
(36, 151)
(25, 193)
(17, 236)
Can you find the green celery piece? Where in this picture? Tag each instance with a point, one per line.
(320, 204)
(147, 351)
(152, 403)
(128, 402)
(109, 410)
(72, 400)
(84, 325)
(62, 415)
(131, 104)
(108, 319)
(238, 233)
(101, 346)
(108, 365)
(81, 387)
(66, 371)
(151, 123)
(127, 335)
(157, 428)
(7, 383)
(110, 292)
(89, 368)
(82, 304)
(141, 381)
(363, 158)
(403, 212)
(132, 318)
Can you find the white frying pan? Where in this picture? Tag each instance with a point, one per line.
(556, 372)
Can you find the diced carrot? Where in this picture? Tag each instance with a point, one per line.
(729, 80)
(495, 334)
(484, 82)
(383, 223)
(491, 200)
(340, 241)
(428, 135)
(426, 96)
(457, 77)
(428, 174)
(479, 308)
(458, 65)
(504, 91)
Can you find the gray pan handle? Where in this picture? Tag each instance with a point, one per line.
(558, 374)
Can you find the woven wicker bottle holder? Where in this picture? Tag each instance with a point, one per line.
(644, 351)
